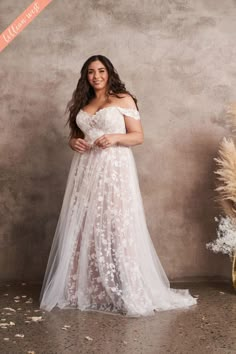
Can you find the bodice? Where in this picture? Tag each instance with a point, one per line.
(107, 120)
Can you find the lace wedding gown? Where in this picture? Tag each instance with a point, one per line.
(102, 257)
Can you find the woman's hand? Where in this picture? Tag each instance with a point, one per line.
(106, 140)
(79, 145)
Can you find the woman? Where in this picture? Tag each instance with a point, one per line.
(102, 257)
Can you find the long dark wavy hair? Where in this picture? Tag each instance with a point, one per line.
(84, 92)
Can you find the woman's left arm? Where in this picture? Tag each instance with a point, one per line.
(134, 130)
(133, 136)
(134, 133)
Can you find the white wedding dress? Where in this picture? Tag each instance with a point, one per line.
(102, 257)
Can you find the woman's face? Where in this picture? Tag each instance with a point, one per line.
(97, 75)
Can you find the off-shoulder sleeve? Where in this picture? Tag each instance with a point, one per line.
(130, 112)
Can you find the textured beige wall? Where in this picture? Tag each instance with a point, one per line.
(178, 58)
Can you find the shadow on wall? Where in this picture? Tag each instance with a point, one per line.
(34, 182)
(180, 188)
(200, 208)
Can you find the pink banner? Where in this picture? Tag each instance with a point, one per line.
(21, 22)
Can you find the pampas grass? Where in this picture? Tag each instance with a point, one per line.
(226, 190)
(226, 177)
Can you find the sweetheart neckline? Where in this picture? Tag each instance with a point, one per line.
(102, 109)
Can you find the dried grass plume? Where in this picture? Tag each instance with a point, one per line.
(226, 177)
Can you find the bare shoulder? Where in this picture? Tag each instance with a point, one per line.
(126, 101)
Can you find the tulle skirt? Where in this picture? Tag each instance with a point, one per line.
(102, 257)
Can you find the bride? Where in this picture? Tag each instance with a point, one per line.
(102, 257)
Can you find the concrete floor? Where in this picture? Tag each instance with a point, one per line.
(206, 328)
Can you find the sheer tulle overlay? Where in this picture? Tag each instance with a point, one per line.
(102, 257)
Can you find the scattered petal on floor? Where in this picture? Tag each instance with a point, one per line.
(31, 352)
(65, 327)
(19, 335)
(7, 324)
(222, 293)
(5, 294)
(16, 297)
(125, 342)
(6, 338)
(23, 283)
(9, 308)
(35, 318)
(29, 301)
(23, 295)
(88, 338)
